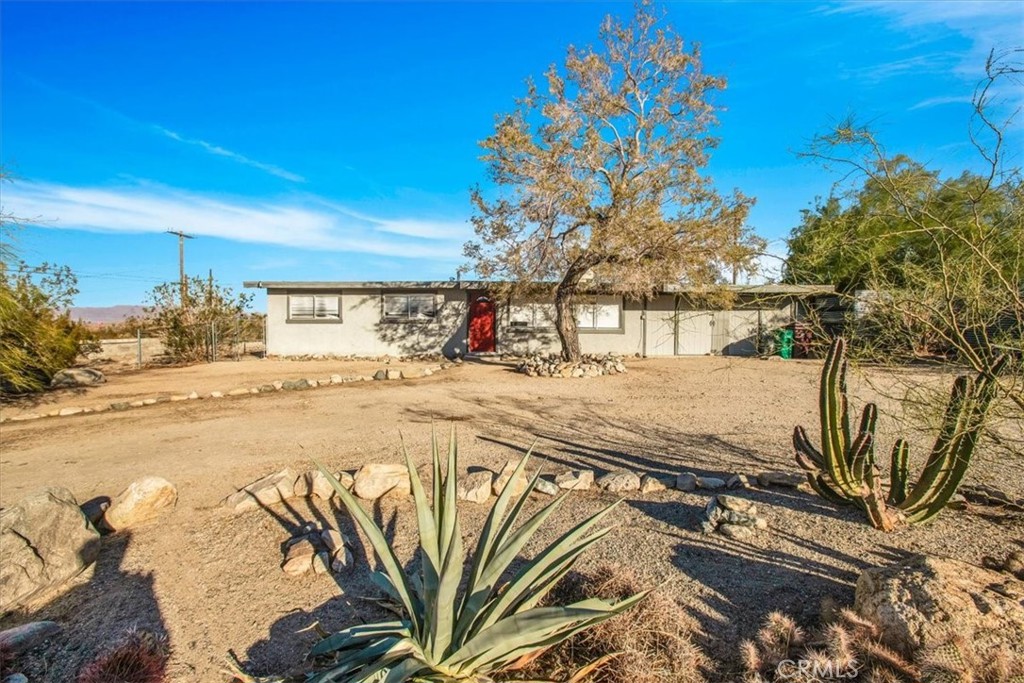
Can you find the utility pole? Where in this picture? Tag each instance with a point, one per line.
(182, 236)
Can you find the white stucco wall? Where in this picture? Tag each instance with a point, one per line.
(361, 331)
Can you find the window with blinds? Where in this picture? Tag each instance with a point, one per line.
(314, 307)
(404, 307)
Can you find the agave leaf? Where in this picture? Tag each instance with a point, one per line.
(476, 595)
(510, 549)
(551, 555)
(451, 576)
(430, 557)
(513, 636)
(592, 667)
(385, 554)
(354, 635)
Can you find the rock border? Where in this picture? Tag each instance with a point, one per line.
(269, 387)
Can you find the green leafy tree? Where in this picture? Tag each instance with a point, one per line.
(942, 256)
(211, 317)
(600, 175)
(37, 336)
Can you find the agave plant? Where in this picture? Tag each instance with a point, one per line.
(493, 622)
(844, 470)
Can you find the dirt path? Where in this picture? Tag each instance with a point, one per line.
(213, 581)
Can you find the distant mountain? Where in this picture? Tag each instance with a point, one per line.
(104, 314)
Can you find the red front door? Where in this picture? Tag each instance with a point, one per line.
(481, 326)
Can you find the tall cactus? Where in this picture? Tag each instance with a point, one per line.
(844, 471)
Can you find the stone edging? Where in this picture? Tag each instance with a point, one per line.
(278, 385)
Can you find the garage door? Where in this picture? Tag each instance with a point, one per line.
(695, 332)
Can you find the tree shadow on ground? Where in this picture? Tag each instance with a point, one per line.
(96, 609)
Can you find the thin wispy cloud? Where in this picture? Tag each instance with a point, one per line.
(939, 101)
(302, 222)
(989, 25)
(234, 156)
(126, 120)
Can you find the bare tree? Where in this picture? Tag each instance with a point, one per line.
(599, 175)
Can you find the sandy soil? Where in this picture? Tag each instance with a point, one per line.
(212, 581)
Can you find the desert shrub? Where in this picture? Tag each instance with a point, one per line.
(648, 644)
(140, 657)
(38, 339)
(197, 328)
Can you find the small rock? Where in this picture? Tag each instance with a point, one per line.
(269, 490)
(687, 481)
(303, 547)
(619, 482)
(179, 397)
(332, 540)
(298, 566)
(790, 479)
(373, 480)
(341, 560)
(346, 479)
(16, 678)
(504, 477)
(138, 404)
(738, 481)
(547, 487)
(314, 483)
(651, 483)
(64, 412)
(737, 504)
(216, 394)
(336, 379)
(294, 384)
(143, 500)
(193, 396)
(735, 531)
(575, 480)
(476, 486)
(77, 377)
(393, 374)
(278, 385)
(238, 392)
(321, 563)
(27, 636)
(710, 483)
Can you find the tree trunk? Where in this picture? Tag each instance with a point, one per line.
(565, 316)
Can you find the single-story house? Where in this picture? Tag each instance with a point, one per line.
(463, 317)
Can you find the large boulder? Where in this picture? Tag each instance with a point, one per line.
(144, 500)
(77, 377)
(919, 602)
(45, 539)
(373, 480)
(269, 490)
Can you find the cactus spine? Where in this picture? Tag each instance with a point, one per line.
(844, 471)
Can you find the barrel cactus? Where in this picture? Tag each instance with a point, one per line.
(844, 470)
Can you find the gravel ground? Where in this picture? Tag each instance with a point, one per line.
(212, 581)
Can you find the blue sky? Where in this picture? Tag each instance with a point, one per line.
(338, 141)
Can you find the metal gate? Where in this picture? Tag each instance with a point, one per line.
(695, 332)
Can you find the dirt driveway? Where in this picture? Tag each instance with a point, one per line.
(212, 581)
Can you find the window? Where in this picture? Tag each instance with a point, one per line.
(399, 307)
(325, 307)
(603, 314)
(531, 316)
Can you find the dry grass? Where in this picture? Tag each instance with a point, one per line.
(652, 639)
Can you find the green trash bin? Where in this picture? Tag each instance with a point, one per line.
(784, 343)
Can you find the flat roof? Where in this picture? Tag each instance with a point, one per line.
(765, 289)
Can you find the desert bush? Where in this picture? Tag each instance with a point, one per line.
(195, 329)
(495, 621)
(140, 657)
(648, 644)
(844, 470)
(38, 339)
